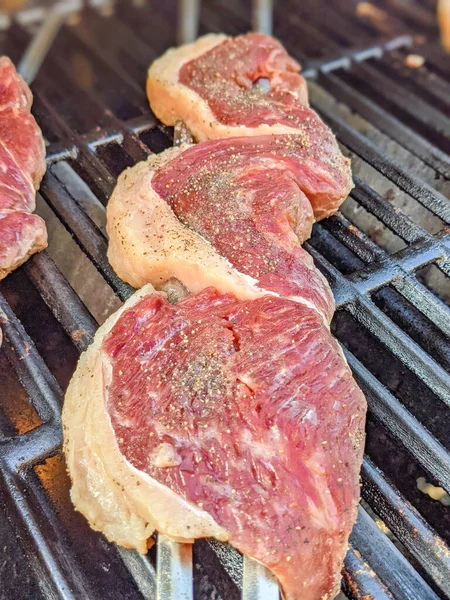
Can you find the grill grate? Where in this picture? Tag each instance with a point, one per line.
(90, 102)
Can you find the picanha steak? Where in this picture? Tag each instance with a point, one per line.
(246, 200)
(212, 416)
(214, 87)
(22, 166)
(222, 406)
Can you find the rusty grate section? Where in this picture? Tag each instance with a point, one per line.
(386, 256)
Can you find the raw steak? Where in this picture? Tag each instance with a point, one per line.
(212, 86)
(22, 166)
(148, 244)
(220, 417)
(225, 409)
(249, 197)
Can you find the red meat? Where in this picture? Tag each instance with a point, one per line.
(22, 165)
(226, 75)
(253, 199)
(248, 410)
(213, 86)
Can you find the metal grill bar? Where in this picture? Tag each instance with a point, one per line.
(335, 27)
(258, 583)
(79, 37)
(36, 52)
(85, 159)
(403, 226)
(437, 60)
(60, 583)
(121, 132)
(390, 125)
(174, 570)
(429, 86)
(416, 108)
(86, 233)
(399, 421)
(388, 562)
(61, 299)
(408, 261)
(29, 366)
(412, 530)
(402, 347)
(409, 287)
(415, 13)
(412, 185)
(359, 580)
(429, 305)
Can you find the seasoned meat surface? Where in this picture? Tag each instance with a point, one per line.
(244, 196)
(244, 410)
(227, 77)
(149, 244)
(213, 86)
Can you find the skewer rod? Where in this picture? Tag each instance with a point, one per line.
(259, 583)
(188, 18)
(262, 16)
(174, 570)
(37, 50)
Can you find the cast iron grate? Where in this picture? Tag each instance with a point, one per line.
(90, 102)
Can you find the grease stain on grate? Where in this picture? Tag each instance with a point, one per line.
(17, 414)
(53, 477)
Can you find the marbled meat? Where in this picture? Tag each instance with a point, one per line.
(250, 198)
(22, 166)
(214, 86)
(213, 416)
(222, 406)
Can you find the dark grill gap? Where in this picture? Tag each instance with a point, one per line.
(101, 125)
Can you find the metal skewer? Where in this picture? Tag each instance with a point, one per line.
(258, 582)
(262, 16)
(174, 570)
(174, 578)
(36, 52)
(188, 18)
